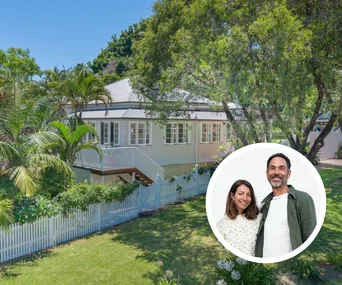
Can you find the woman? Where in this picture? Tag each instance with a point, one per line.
(241, 221)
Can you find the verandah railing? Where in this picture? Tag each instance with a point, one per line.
(24, 239)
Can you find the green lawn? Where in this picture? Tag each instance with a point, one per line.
(179, 236)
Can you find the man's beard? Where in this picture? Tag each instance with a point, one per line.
(282, 182)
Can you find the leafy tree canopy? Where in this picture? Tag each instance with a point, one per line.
(115, 60)
(279, 60)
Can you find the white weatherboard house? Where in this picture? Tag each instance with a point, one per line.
(136, 146)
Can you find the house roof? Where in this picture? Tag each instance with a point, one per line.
(140, 114)
(122, 91)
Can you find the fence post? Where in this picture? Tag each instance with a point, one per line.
(158, 186)
(139, 198)
(196, 178)
(99, 216)
(51, 233)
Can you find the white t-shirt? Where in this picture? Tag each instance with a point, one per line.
(276, 228)
(240, 233)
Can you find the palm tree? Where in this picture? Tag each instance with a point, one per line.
(72, 134)
(23, 150)
(84, 88)
(6, 217)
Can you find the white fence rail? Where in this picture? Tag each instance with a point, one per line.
(24, 239)
(121, 157)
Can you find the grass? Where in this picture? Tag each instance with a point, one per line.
(329, 238)
(179, 236)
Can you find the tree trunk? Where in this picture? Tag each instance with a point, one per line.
(319, 142)
(250, 124)
(234, 123)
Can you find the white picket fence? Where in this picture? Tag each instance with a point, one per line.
(25, 239)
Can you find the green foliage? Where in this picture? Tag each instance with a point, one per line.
(6, 216)
(52, 183)
(72, 134)
(277, 59)
(335, 258)
(24, 149)
(80, 196)
(16, 69)
(29, 209)
(240, 271)
(339, 152)
(306, 270)
(82, 87)
(167, 281)
(115, 60)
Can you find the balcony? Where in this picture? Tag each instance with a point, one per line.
(120, 158)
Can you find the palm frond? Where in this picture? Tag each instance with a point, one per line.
(7, 151)
(54, 162)
(90, 145)
(45, 137)
(61, 128)
(22, 179)
(6, 217)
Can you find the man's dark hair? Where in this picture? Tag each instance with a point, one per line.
(288, 162)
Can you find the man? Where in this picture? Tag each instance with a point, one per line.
(288, 215)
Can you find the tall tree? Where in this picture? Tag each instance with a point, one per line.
(115, 60)
(82, 88)
(259, 54)
(23, 150)
(16, 69)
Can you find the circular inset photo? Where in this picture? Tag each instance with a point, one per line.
(266, 203)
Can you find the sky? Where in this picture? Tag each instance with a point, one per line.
(66, 32)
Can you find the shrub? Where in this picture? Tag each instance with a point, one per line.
(306, 270)
(335, 258)
(29, 209)
(168, 279)
(240, 271)
(80, 196)
(52, 183)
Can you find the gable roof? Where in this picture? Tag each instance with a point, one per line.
(122, 91)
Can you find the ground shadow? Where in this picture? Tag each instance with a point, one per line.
(180, 237)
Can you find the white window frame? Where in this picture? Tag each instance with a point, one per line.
(175, 133)
(110, 135)
(103, 137)
(209, 133)
(91, 137)
(146, 134)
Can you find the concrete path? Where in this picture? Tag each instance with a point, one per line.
(329, 163)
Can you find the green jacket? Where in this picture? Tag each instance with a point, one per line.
(301, 217)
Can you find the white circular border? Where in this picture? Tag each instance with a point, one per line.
(320, 212)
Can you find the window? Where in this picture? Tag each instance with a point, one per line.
(216, 132)
(114, 133)
(104, 133)
(140, 133)
(177, 133)
(90, 137)
(211, 132)
(110, 133)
